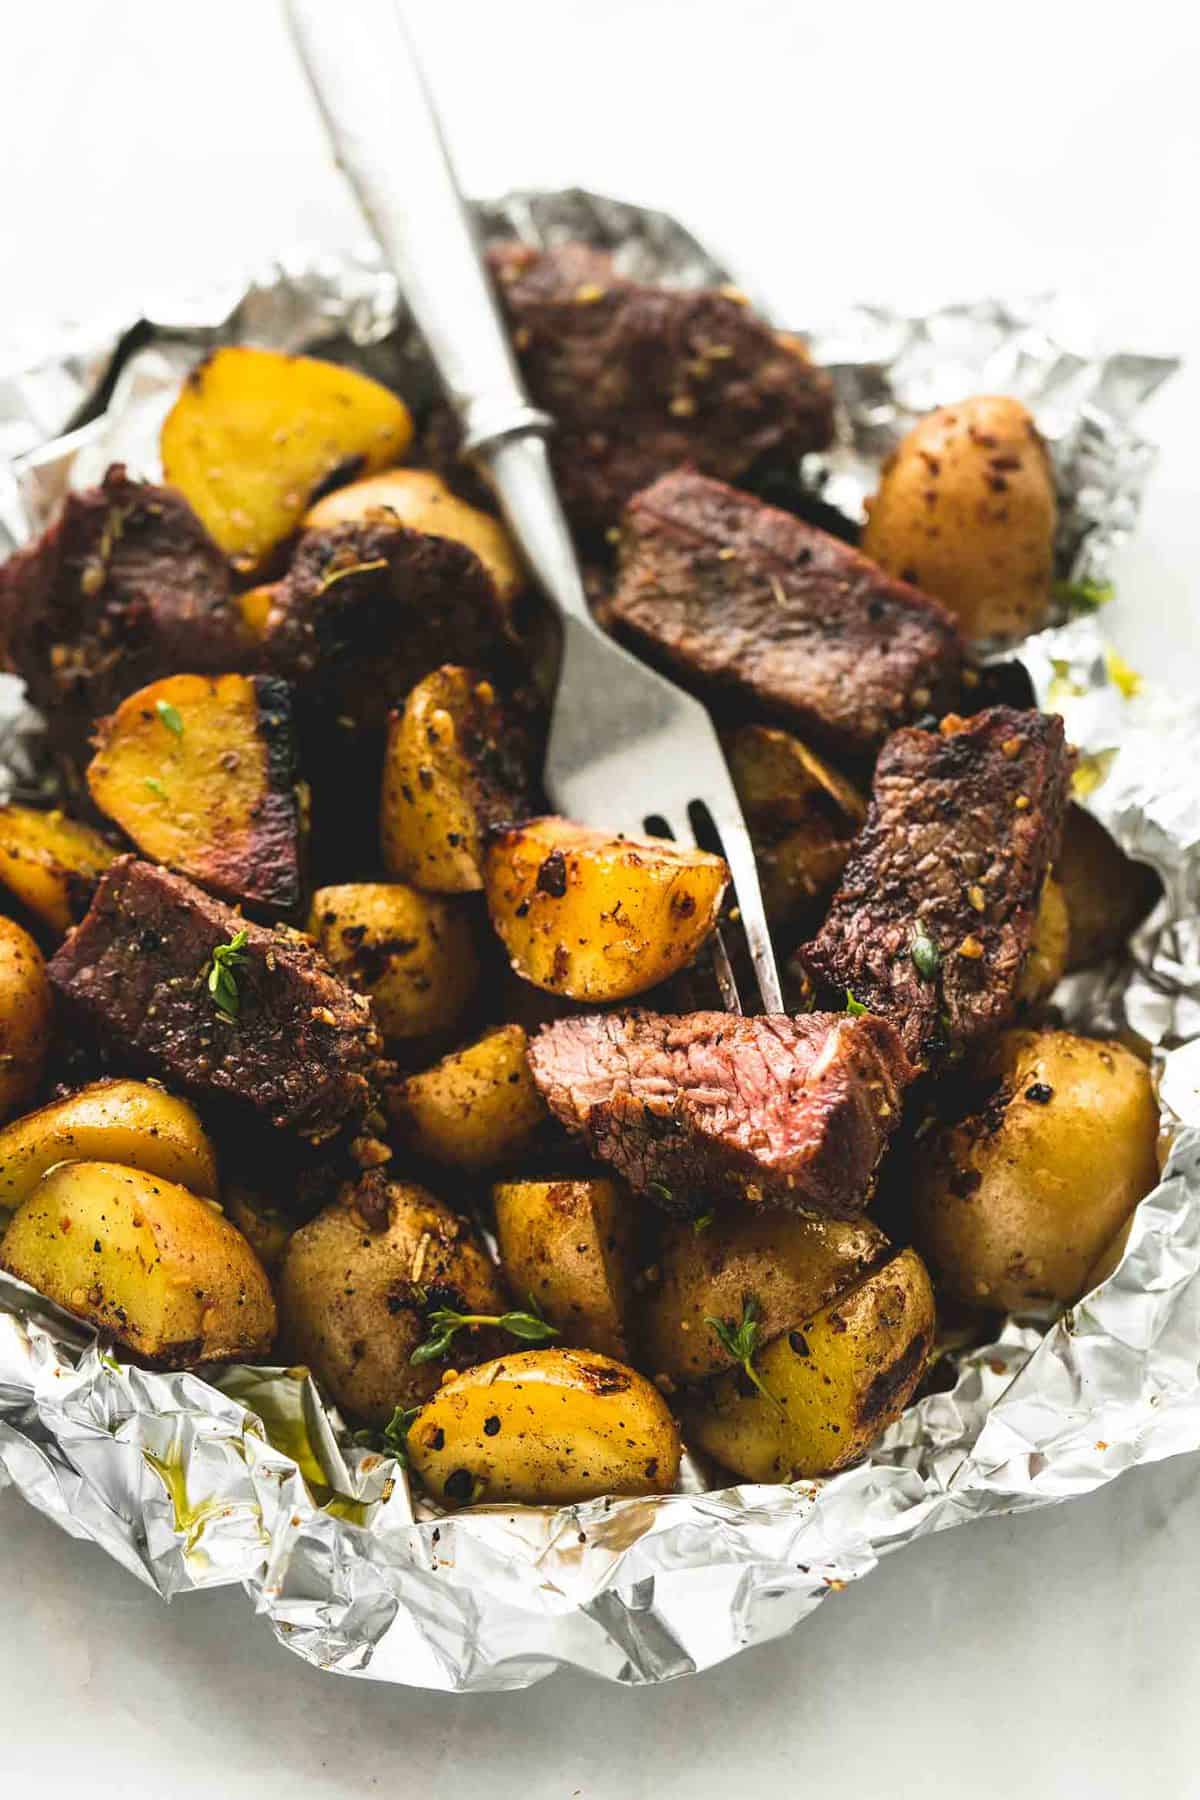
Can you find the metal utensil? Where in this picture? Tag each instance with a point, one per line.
(626, 746)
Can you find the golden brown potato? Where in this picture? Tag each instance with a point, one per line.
(1107, 893)
(51, 863)
(791, 1264)
(265, 1228)
(832, 1383)
(473, 1109)
(458, 760)
(802, 816)
(545, 1427)
(199, 770)
(414, 954)
(966, 510)
(570, 1245)
(1013, 1203)
(420, 500)
(357, 1285)
(26, 1013)
(597, 917)
(134, 1123)
(144, 1259)
(255, 607)
(1046, 962)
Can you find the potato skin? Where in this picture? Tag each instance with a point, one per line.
(134, 1123)
(594, 917)
(473, 1109)
(1107, 893)
(571, 1245)
(1046, 961)
(1014, 1203)
(791, 1264)
(413, 953)
(26, 1016)
(837, 1378)
(545, 1427)
(51, 863)
(265, 1229)
(356, 1286)
(966, 510)
(144, 1259)
(802, 816)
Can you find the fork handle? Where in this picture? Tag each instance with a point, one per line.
(384, 131)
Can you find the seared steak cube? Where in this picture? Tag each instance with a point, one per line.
(790, 1112)
(741, 599)
(934, 917)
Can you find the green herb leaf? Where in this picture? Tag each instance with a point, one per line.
(156, 786)
(703, 1222)
(170, 716)
(925, 954)
(660, 1187)
(1083, 596)
(854, 1007)
(445, 1323)
(359, 568)
(222, 982)
(741, 1342)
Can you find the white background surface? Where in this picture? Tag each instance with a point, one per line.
(835, 152)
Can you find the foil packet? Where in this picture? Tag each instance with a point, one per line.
(245, 1475)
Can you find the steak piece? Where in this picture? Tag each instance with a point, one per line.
(744, 599)
(794, 1112)
(640, 379)
(934, 917)
(124, 587)
(301, 1048)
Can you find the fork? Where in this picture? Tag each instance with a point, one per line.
(628, 750)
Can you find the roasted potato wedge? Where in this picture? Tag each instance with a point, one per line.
(255, 435)
(200, 772)
(51, 863)
(801, 813)
(421, 500)
(790, 1264)
(473, 1109)
(356, 1287)
(832, 1383)
(1014, 1202)
(458, 761)
(966, 510)
(596, 917)
(26, 1012)
(134, 1123)
(265, 1228)
(545, 1427)
(144, 1259)
(413, 953)
(571, 1246)
(1046, 961)
(1107, 893)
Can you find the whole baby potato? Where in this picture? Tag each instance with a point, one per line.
(966, 511)
(1046, 961)
(1107, 893)
(413, 953)
(1014, 1203)
(26, 1012)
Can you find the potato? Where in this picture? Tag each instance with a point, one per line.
(421, 500)
(265, 1228)
(1046, 961)
(26, 1014)
(802, 816)
(1013, 1203)
(596, 917)
(412, 953)
(358, 1282)
(791, 1264)
(51, 863)
(134, 1123)
(199, 770)
(1107, 893)
(458, 760)
(966, 510)
(571, 1246)
(835, 1381)
(255, 435)
(545, 1427)
(255, 605)
(474, 1108)
(144, 1259)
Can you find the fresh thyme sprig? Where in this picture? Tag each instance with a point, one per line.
(741, 1342)
(170, 716)
(222, 981)
(445, 1323)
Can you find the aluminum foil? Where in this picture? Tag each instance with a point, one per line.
(246, 1476)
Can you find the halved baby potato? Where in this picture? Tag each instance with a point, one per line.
(135, 1123)
(413, 953)
(421, 501)
(832, 1383)
(596, 917)
(458, 761)
(256, 435)
(26, 1013)
(473, 1109)
(802, 815)
(571, 1246)
(144, 1259)
(545, 1427)
(51, 863)
(200, 772)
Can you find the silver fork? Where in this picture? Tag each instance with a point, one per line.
(626, 746)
